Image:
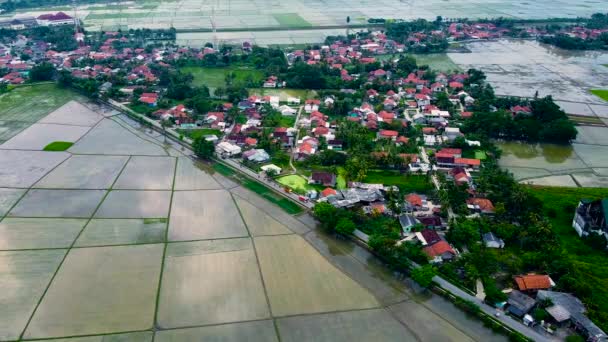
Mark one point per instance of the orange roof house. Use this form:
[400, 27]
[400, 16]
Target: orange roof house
[533, 282]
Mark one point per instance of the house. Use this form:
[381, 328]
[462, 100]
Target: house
[567, 307]
[591, 216]
[287, 111]
[415, 202]
[407, 222]
[533, 282]
[256, 156]
[328, 192]
[492, 241]
[323, 178]
[480, 205]
[388, 134]
[311, 106]
[440, 252]
[226, 149]
[271, 82]
[520, 303]
[271, 168]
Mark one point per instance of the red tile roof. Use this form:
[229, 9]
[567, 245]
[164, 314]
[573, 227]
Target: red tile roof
[532, 282]
[328, 192]
[467, 161]
[438, 249]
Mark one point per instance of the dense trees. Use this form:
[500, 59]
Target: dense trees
[44, 71]
[202, 148]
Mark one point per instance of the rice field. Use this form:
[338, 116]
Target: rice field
[195, 217]
[91, 252]
[300, 281]
[190, 296]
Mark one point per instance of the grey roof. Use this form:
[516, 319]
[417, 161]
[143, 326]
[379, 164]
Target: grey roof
[490, 237]
[521, 301]
[407, 220]
[559, 313]
[576, 309]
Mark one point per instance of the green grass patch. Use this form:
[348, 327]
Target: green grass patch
[405, 182]
[291, 20]
[32, 102]
[58, 146]
[341, 178]
[481, 155]
[589, 264]
[223, 170]
[271, 196]
[199, 132]
[601, 93]
[297, 183]
[216, 77]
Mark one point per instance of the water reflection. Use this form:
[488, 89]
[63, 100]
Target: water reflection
[552, 153]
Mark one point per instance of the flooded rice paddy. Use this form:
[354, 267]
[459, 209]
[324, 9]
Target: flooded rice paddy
[89, 251]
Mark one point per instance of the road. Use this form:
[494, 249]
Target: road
[506, 320]
[293, 148]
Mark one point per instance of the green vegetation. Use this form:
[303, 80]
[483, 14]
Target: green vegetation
[437, 61]
[216, 77]
[589, 265]
[31, 103]
[203, 148]
[271, 196]
[58, 146]
[199, 132]
[284, 203]
[291, 20]
[423, 275]
[601, 93]
[405, 182]
[296, 182]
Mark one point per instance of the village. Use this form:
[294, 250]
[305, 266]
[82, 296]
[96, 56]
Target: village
[388, 144]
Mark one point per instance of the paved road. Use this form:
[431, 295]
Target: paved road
[507, 320]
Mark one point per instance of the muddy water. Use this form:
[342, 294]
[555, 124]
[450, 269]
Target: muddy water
[425, 315]
[550, 153]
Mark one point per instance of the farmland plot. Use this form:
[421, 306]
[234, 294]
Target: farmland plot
[144, 336]
[100, 290]
[23, 277]
[84, 172]
[21, 169]
[364, 325]
[35, 233]
[258, 222]
[262, 331]
[105, 232]
[58, 203]
[190, 177]
[135, 204]
[299, 280]
[428, 325]
[147, 173]
[8, 197]
[108, 137]
[204, 214]
[37, 136]
[73, 113]
[211, 282]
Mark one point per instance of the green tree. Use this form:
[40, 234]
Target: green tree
[345, 226]
[202, 148]
[423, 275]
[44, 71]
[326, 214]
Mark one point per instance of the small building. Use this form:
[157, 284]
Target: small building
[271, 168]
[323, 178]
[407, 222]
[591, 216]
[520, 303]
[492, 241]
[256, 156]
[55, 19]
[480, 205]
[533, 282]
[440, 252]
[226, 149]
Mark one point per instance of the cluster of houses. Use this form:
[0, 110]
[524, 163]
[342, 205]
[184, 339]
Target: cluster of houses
[563, 309]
